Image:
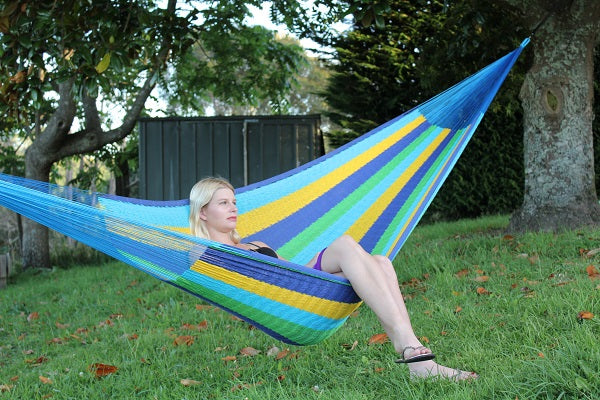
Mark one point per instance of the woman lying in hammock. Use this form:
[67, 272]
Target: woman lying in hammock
[213, 215]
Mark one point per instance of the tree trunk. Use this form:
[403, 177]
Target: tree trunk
[56, 141]
[557, 97]
[35, 248]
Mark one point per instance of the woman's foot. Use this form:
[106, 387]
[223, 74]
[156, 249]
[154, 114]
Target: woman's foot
[412, 354]
[430, 369]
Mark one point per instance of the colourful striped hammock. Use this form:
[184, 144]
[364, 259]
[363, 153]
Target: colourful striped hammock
[375, 189]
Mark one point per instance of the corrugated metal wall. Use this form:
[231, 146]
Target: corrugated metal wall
[176, 152]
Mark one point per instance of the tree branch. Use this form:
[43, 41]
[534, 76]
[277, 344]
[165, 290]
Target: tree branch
[93, 138]
[90, 111]
[61, 120]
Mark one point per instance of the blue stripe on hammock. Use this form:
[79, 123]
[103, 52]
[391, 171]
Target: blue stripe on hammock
[260, 267]
[428, 198]
[263, 328]
[153, 213]
[306, 216]
[258, 194]
[343, 223]
[382, 223]
[272, 307]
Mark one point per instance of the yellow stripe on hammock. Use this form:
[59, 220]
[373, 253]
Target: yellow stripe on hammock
[363, 224]
[312, 304]
[262, 217]
[416, 208]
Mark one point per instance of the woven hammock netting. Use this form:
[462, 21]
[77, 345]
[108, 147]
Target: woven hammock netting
[374, 189]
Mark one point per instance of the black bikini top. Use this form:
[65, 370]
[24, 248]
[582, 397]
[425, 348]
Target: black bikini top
[267, 251]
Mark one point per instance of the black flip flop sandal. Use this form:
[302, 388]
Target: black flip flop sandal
[417, 358]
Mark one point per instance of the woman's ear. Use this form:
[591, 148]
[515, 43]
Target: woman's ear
[202, 214]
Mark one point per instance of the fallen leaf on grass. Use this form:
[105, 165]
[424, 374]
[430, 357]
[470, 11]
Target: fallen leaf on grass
[37, 361]
[108, 322]
[350, 347]
[189, 382]
[33, 316]
[482, 291]
[581, 315]
[380, 338]
[273, 351]
[45, 381]
[6, 388]
[185, 339]
[249, 351]
[197, 327]
[482, 278]
[282, 354]
[592, 272]
[99, 370]
[462, 272]
[245, 386]
[589, 253]
[229, 358]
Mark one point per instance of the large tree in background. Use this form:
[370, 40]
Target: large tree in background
[60, 59]
[57, 58]
[558, 100]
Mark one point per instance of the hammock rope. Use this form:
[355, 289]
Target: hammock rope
[375, 189]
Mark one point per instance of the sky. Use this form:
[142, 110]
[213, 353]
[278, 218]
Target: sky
[261, 17]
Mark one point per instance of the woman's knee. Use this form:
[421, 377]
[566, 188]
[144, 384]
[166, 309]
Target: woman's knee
[386, 265]
[346, 243]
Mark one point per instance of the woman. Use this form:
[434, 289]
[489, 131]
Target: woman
[213, 215]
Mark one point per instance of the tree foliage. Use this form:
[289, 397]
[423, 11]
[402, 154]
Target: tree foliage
[243, 66]
[375, 76]
[60, 62]
[424, 48]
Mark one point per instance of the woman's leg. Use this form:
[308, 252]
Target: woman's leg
[374, 280]
[424, 368]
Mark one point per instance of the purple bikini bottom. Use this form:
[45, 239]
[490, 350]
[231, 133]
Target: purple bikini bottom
[317, 265]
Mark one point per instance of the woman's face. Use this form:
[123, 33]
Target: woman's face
[220, 214]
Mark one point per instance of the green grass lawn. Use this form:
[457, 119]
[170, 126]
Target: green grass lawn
[510, 308]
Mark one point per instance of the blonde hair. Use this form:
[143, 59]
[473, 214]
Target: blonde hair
[200, 195]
